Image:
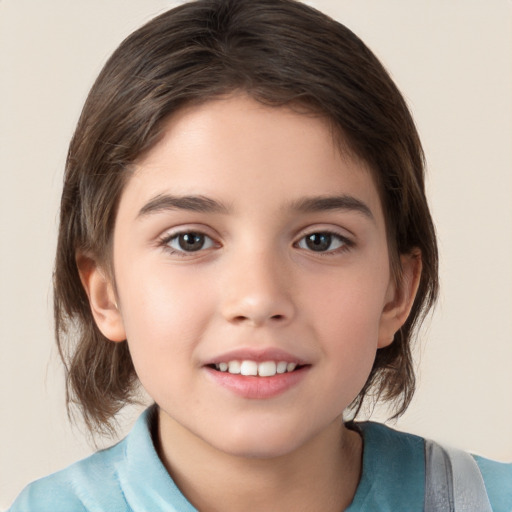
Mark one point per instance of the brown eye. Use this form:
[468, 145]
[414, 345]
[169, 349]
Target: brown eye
[322, 242]
[190, 242]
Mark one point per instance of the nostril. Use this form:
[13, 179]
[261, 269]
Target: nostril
[242, 318]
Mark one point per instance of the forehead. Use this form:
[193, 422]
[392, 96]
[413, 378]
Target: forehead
[237, 150]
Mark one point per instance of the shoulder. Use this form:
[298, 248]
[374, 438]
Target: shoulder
[78, 487]
[127, 477]
[394, 461]
[498, 482]
[400, 449]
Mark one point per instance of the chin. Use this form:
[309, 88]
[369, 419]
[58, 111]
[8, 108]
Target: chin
[259, 449]
[259, 441]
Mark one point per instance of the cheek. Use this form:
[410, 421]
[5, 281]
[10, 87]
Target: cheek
[348, 311]
[164, 315]
[349, 300]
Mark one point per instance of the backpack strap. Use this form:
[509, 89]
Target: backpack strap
[453, 482]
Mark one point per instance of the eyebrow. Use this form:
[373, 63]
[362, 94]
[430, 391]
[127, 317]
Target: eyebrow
[326, 203]
[164, 202]
[203, 204]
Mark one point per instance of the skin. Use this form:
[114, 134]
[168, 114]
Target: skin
[254, 284]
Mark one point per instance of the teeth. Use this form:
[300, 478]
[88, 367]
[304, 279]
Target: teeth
[281, 366]
[290, 367]
[248, 367]
[234, 367]
[267, 369]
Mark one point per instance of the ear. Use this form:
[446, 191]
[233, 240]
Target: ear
[102, 299]
[400, 297]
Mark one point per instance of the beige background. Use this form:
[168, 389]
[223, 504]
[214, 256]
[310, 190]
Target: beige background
[453, 61]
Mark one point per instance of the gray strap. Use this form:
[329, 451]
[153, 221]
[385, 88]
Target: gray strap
[469, 487]
[453, 481]
[438, 479]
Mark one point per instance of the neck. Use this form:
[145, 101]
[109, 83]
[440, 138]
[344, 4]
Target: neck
[322, 474]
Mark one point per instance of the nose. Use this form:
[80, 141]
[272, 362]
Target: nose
[257, 291]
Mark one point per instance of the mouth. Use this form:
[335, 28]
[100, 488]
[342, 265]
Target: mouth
[262, 379]
[248, 367]
[257, 373]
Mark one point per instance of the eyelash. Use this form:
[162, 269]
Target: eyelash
[166, 240]
[345, 243]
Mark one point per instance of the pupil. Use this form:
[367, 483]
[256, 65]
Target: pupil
[319, 241]
[191, 241]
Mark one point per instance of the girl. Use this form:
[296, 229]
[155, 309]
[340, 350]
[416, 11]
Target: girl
[244, 231]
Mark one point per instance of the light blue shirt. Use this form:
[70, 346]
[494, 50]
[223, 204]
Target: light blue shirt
[129, 477]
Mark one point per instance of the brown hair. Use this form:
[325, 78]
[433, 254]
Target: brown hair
[280, 52]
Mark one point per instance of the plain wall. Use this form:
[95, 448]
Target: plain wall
[453, 62]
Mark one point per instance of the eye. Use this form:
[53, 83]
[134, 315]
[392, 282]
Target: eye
[323, 242]
[189, 241]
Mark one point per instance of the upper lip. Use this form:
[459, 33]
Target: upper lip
[258, 355]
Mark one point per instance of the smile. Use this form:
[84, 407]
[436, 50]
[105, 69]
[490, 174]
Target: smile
[254, 368]
[257, 380]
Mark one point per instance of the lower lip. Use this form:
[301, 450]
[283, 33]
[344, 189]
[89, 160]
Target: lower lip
[258, 387]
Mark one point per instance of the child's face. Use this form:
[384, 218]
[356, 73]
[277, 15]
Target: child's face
[245, 235]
